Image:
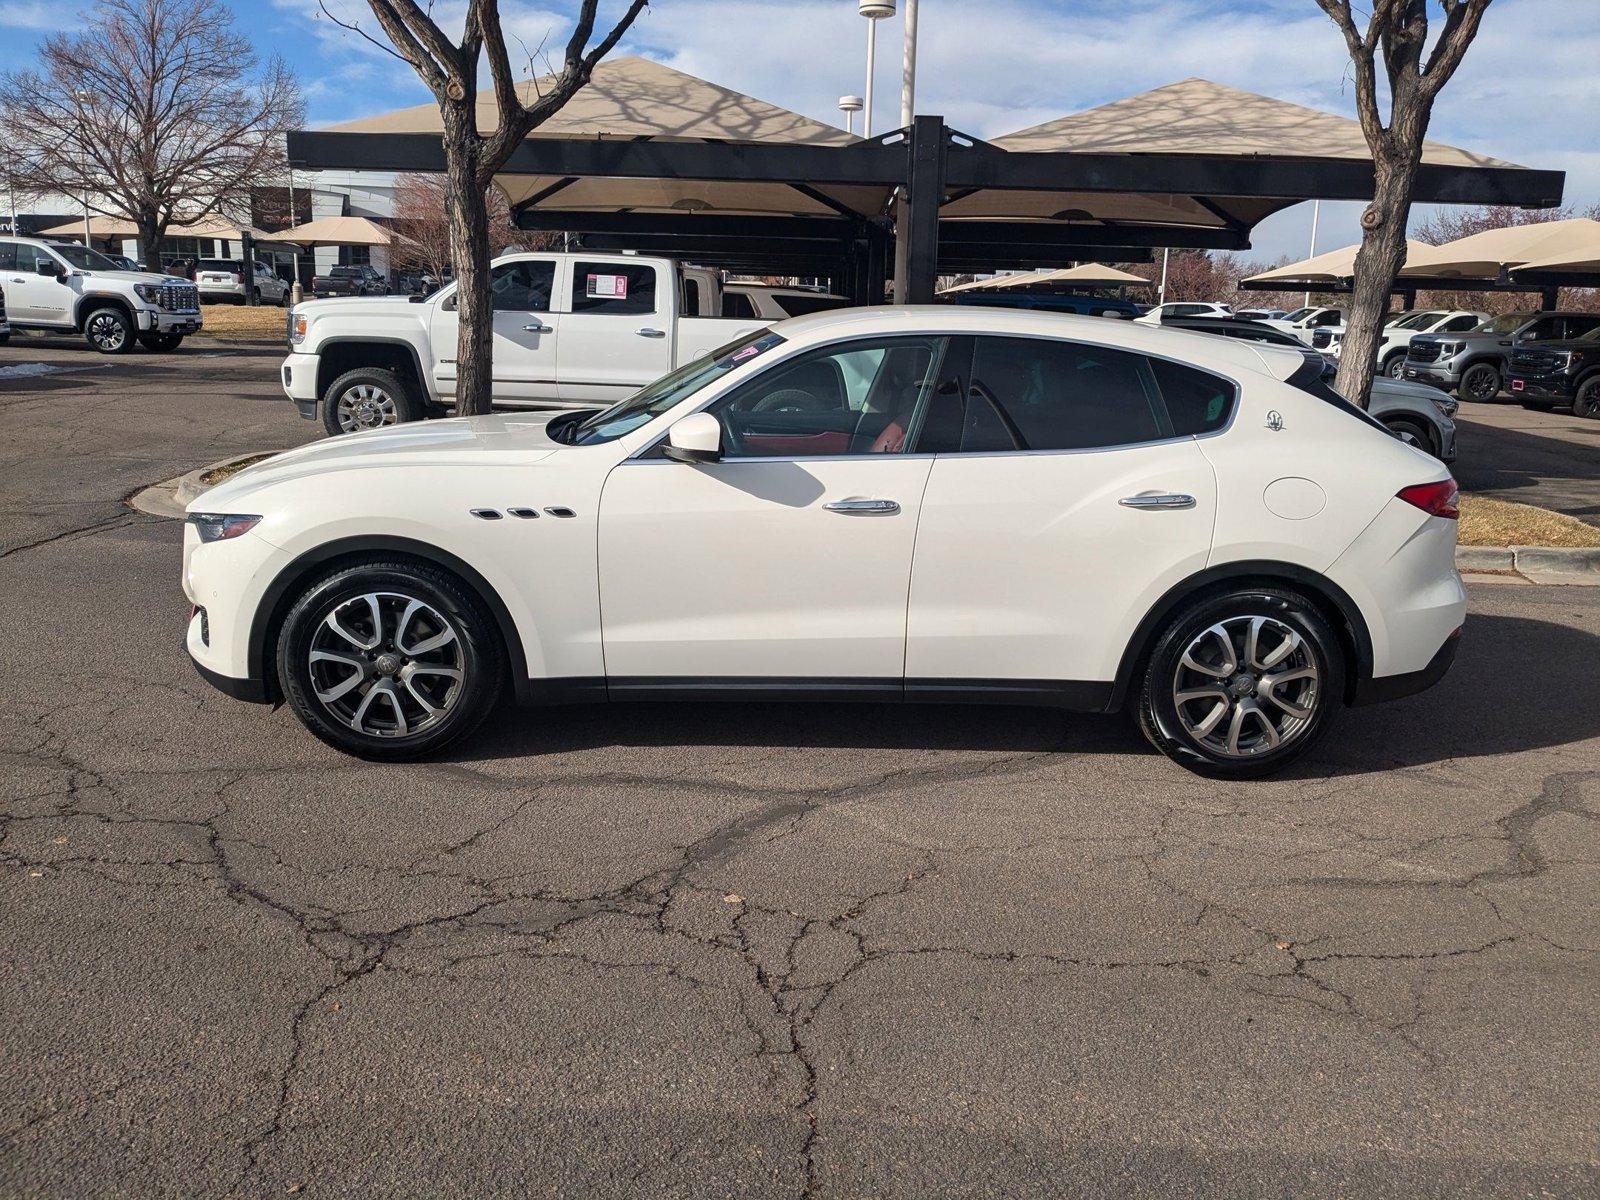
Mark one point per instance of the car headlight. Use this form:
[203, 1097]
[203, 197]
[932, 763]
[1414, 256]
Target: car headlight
[219, 527]
[297, 327]
[146, 292]
[1446, 349]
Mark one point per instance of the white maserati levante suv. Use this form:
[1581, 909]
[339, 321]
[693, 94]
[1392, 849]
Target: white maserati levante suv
[897, 504]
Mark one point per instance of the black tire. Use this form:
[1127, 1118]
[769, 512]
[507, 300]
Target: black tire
[1586, 403]
[110, 330]
[1157, 707]
[1413, 433]
[1481, 382]
[474, 649]
[1395, 365]
[161, 343]
[368, 398]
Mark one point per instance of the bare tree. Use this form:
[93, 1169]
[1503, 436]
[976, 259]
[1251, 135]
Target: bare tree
[1395, 41]
[158, 112]
[422, 223]
[472, 156]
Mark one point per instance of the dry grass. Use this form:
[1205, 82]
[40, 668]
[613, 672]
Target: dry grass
[237, 322]
[1486, 522]
[213, 477]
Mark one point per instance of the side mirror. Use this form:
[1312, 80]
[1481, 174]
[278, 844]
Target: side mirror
[697, 438]
[416, 298]
[47, 266]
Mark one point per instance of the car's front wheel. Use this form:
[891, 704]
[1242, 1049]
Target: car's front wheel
[1481, 382]
[1395, 366]
[1587, 401]
[367, 398]
[390, 659]
[1241, 684]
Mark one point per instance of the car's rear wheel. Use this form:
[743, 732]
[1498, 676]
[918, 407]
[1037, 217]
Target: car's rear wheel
[1587, 402]
[1412, 433]
[1241, 684]
[1480, 382]
[367, 398]
[109, 330]
[390, 660]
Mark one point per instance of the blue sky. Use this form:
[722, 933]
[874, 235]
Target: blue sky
[1526, 91]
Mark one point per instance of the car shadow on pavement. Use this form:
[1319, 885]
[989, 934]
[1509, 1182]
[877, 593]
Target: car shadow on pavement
[1517, 685]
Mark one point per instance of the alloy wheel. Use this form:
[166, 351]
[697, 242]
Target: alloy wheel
[1246, 686]
[1397, 367]
[1483, 384]
[106, 332]
[365, 406]
[386, 664]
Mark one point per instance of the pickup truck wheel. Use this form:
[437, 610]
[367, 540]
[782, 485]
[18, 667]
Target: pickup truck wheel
[1481, 382]
[109, 330]
[1587, 402]
[367, 398]
[161, 343]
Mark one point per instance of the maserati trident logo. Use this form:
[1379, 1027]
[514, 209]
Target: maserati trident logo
[1274, 420]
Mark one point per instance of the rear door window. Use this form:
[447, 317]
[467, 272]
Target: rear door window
[613, 288]
[1580, 324]
[737, 305]
[8, 256]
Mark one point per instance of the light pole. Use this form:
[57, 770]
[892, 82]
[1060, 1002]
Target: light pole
[850, 106]
[908, 67]
[874, 11]
[1316, 213]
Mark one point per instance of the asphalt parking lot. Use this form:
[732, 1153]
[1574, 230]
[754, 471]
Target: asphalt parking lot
[763, 950]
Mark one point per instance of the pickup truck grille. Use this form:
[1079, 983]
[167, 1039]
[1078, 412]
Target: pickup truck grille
[1536, 361]
[1423, 352]
[178, 297]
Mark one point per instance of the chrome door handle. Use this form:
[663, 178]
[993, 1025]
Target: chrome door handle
[1167, 501]
[862, 506]
[536, 327]
[651, 333]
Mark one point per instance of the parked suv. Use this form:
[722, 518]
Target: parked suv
[1473, 364]
[1105, 516]
[1396, 335]
[62, 287]
[1553, 373]
[1184, 308]
[221, 281]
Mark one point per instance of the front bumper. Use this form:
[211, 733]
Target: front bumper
[298, 374]
[159, 320]
[227, 581]
[1440, 375]
[1546, 387]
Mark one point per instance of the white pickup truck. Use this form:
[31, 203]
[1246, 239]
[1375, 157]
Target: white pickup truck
[571, 330]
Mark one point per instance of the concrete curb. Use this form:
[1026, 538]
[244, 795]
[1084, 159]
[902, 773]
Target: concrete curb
[170, 497]
[1485, 558]
[1559, 564]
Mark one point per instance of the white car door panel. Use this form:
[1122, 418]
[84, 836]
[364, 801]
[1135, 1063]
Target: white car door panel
[791, 557]
[743, 569]
[1025, 561]
[525, 345]
[1074, 501]
[31, 297]
[617, 336]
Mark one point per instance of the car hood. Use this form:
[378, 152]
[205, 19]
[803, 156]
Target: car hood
[133, 277]
[498, 439]
[1396, 395]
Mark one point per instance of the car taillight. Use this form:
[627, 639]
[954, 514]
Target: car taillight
[1442, 499]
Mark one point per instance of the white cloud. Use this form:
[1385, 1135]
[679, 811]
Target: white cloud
[32, 14]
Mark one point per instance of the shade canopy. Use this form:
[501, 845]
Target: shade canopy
[111, 227]
[631, 98]
[1484, 255]
[334, 231]
[1333, 266]
[1083, 275]
[1193, 117]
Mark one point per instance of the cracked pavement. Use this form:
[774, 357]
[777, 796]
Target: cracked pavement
[754, 950]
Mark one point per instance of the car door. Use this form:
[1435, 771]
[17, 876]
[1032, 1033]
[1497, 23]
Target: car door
[617, 333]
[1068, 493]
[523, 366]
[37, 299]
[790, 558]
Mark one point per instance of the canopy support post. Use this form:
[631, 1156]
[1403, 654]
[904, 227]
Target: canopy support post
[916, 255]
[247, 251]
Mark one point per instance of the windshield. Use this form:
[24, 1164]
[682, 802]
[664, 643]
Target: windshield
[85, 260]
[645, 406]
[1411, 320]
[1298, 313]
[1509, 323]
